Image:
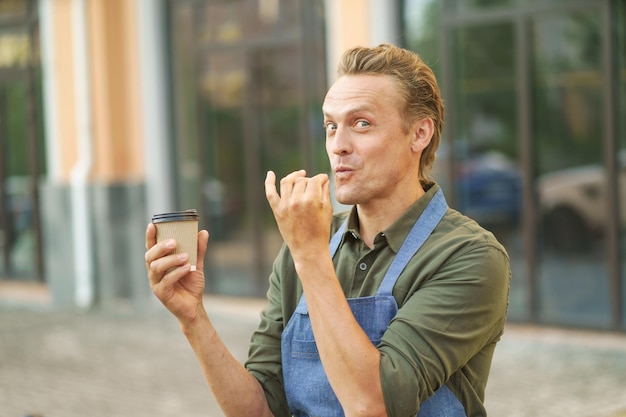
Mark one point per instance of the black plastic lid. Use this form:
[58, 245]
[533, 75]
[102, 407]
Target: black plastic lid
[175, 216]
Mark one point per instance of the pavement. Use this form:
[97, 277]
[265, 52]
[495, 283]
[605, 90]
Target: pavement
[116, 362]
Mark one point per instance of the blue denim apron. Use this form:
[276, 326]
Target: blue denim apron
[307, 388]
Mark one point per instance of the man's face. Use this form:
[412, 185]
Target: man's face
[369, 150]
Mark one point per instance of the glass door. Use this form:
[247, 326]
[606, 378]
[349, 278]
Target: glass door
[248, 81]
[20, 145]
[570, 176]
[527, 142]
[485, 142]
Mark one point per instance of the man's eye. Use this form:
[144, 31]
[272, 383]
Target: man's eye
[362, 123]
[330, 126]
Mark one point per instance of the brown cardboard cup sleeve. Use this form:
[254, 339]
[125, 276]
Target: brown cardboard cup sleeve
[181, 226]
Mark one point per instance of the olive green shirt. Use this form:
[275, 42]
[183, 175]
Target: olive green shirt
[452, 299]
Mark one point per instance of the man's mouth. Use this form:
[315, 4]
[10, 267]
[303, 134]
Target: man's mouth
[342, 172]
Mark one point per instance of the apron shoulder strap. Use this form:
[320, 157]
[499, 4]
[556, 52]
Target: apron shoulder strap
[421, 230]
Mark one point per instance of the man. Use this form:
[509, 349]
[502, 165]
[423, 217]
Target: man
[401, 316]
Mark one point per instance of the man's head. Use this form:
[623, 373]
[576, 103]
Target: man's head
[415, 81]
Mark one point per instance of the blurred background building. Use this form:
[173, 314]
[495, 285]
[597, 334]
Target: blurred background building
[112, 110]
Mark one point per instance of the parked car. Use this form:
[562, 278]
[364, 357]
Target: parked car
[489, 190]
[573, 204]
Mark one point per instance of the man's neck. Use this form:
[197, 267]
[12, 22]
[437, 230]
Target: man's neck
[377, 216]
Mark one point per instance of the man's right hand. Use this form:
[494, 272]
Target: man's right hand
[171, 278]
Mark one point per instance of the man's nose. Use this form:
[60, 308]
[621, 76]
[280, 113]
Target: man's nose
[341, 142]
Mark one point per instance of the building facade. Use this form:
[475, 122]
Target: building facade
[111, 111]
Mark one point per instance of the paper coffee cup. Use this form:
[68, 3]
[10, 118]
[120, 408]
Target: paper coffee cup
[181, 226]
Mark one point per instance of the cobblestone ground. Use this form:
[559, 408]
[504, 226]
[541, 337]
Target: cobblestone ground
[551, 372]
[118, 364]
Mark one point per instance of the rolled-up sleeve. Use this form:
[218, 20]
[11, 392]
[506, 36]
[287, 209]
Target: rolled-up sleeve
[446, 330]
[264, 356]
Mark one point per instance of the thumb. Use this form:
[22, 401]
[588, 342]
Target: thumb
[270, 189]
[203, 241]
[326, 192]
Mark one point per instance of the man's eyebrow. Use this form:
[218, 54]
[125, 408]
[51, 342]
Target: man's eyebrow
[349, 111]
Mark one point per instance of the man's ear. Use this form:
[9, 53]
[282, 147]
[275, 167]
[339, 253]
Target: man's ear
[422, 130]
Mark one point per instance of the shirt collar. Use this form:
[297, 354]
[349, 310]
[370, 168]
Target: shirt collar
[398, 231]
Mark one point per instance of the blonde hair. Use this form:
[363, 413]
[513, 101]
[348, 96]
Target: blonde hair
[416, 83]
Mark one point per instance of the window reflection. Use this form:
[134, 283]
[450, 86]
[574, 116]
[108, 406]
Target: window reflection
[570, 185]
[20, 238]
[14, 49]
[530, 75]
[487, 5]
[422, 26]
[13, 8]
[573, 207]
[469, 5]
[248, 81]
[487, 178]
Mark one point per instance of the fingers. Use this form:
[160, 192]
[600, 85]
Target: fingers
[158, 259]
[320, 185]
[290, 182]
[156, 250]
[298, 186]
[286, 186]
[296, 182]
[313, 190]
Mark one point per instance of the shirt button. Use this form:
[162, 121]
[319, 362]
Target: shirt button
[362, 266]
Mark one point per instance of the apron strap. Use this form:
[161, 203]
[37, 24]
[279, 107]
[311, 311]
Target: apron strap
[336, 239]
[421, 230]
